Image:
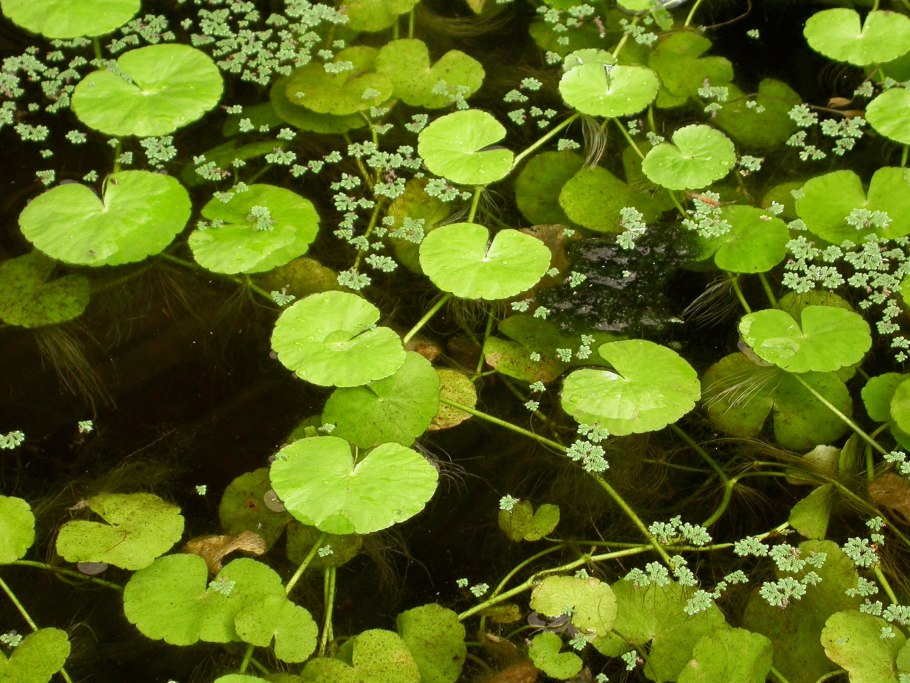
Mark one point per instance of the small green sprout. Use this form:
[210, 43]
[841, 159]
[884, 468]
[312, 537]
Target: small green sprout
[11, 440]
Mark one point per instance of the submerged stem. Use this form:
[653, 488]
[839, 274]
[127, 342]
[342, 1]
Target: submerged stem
[425, 319]
[329, 597]
[543, 139]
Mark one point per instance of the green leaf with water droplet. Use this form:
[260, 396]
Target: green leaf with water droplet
[602, 89]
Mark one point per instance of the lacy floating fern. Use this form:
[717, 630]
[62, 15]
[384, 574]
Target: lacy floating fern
[338, 166]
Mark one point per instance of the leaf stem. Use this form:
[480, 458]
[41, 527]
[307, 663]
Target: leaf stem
[622, 129]
[486, 334]
[68, 572]
[734, 282]
[768, 292]
[543, 140]
[306, 563]
[426, 318]
[781, 678]
[329, 598]
[475, 202]
[635, 519]
[502, 423]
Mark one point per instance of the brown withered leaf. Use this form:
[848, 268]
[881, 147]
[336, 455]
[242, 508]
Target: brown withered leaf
[892, 492]
[214, 548]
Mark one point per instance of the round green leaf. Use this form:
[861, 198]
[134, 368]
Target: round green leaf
[137, 216]
[274, 617]
[37, 658]
[853, 640]
[729, 654]
[462, 148]
[29, 299]
[756, 243]
[810, 516]
[407, 64]
[435, 637]
[340, 94]
[889, 114]
[590, 602]
[330, 339]
[415, 214]
[321, 485]
[762, 120]
[877, 395]
[830, 338]
[306, 119]
[137, 528]
[900, 406]
[678, 61]
[655, 614]
[539, 183]
[243, 507]
[460, 258]
[173, 599]
[649, 387]
[594, 198]
[524, 523]
[740, 395]
[837, 33]
[374, 15]
[375, 655]
[698, 156]
[457, 387]
[66, 19]
[608, 90]
[544, 651]
[259, 229]
[154, 91]
[396, 409]
[17, 529]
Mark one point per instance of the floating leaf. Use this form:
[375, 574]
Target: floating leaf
[794, 631]
[275, 618]
[729, 654]
[435, 638]
[137, 528]
[374, 15]
[37, 658]
[259, 229]
[887, 114]
[878, 392]
[173, 599]
[539, 183]
[321, 485]
[756, 242]
[340, 93]
[654, 614]
[330, 339]
[374, 655]
[407, 64]
[828, 199]
[459, 258]
[853, 640]
[544, 651]
[599, 88]
[457, 387]
[649, 387]
[762, 120]
[826, 339]
[594, 198]
[418, 207]
[65, 19]
[306, 119]
[590, 602]
[698, 156]
[154, 91]
[524, 523]
[461, 147]
[17, 529]
[243, 507]
[678, 60]
[740, 396]
[396, 409]
[837, 33]
[137, 216]
[29, 299]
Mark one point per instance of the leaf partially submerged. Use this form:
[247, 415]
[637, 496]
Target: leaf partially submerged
[37, 658]
[407, 64]
[17, 529]
[29, 298]
[344, 92]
